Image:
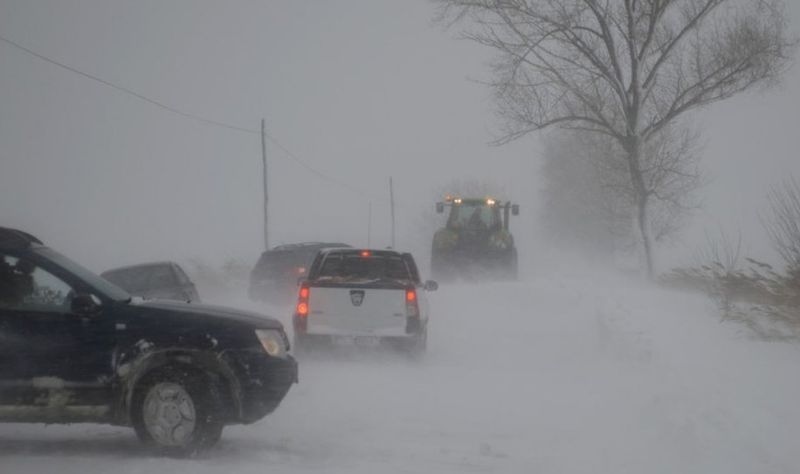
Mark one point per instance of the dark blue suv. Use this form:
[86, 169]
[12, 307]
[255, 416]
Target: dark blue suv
[76, 348]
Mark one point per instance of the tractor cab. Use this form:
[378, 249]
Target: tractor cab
[477, 214]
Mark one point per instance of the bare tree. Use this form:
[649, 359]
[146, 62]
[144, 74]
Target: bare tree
[588, 193]
[582, 207]
[783, 225]
[626, 69]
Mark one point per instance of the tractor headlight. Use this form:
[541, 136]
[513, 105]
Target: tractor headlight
[272, 341]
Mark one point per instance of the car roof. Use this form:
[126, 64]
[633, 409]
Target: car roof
[307, 246]
[354, 251]
[137, 266]
[17, 239]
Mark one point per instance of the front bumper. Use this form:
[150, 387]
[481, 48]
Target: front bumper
[263, 383]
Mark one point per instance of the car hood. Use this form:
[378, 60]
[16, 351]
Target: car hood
[219, 313]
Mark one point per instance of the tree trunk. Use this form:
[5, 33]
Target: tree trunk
[643, 222]
[641, 196]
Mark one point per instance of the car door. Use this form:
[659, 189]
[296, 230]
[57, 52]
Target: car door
[55, 363]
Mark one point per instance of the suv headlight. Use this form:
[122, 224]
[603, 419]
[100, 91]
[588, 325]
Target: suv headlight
[272, 341]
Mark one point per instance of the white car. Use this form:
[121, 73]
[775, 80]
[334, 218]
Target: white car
[362, 298]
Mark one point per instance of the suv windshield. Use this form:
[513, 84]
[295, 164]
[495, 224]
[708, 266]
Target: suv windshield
[355, 267]
[105, 287]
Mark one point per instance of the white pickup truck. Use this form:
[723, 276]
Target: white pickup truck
[362, 298]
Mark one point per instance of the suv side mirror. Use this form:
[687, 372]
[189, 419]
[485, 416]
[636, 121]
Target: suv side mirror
[439, 207]
[85, 305]
[431, 285]
[515, 209]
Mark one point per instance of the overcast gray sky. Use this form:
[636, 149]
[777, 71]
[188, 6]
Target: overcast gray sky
[361, 90]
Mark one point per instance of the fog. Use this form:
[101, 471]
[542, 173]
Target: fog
[361, 91]
[355, 92]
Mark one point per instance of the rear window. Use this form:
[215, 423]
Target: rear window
[278, 264]
[354, 267]
[289, 260]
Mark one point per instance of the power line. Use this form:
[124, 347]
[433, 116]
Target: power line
[319, 173]
[188, 115]
[127, 91]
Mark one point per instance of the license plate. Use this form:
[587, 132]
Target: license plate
[362, 341]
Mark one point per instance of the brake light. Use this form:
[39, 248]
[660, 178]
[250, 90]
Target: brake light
[365, 253]
[302, 309]
[302, 301]
[411, 295]
[412, 306]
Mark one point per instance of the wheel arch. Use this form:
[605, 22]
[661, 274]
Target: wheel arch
[212, 366]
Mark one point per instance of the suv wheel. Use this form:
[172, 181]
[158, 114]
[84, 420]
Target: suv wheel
[177, 413]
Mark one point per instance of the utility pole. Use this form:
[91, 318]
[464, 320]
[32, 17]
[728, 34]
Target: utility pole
[391, 202]
[266, 196]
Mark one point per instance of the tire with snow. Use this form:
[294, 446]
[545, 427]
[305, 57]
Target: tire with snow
[177, 412]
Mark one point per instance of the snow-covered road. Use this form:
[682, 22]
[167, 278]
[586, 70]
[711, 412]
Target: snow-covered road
[567, 374]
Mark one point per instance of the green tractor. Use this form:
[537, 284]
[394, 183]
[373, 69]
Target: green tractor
[476, 241]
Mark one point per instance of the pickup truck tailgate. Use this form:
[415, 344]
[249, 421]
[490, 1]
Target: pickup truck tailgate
[357, 311]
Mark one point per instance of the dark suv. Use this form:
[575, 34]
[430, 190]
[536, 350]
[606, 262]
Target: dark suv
[275, 276]
[76, 348]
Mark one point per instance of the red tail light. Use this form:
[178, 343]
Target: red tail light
[412, 306]
[302, 309]
[302, 301]
[366, 253]
[411, 295]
